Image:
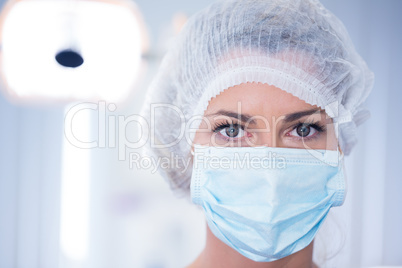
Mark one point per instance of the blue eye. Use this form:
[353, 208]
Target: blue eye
[232, 131]
[229, 130]
[306, 130]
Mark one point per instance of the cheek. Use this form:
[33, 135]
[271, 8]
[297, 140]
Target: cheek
[332, 141]
[327, 141]
[203, 134]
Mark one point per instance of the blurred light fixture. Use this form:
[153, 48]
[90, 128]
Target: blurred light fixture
[75, 193]
[70, 49]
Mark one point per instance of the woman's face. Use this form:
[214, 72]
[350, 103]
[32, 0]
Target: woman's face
[255, 114]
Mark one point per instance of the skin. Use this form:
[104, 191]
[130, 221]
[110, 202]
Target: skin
[271, 117]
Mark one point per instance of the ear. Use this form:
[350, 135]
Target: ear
[339, 148]
[192, 149]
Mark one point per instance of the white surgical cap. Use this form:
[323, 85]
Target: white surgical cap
[295, 45]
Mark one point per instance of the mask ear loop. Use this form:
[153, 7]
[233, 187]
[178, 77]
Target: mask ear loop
[341, 166]
[338, 148]
[340, 152]
[338, 120]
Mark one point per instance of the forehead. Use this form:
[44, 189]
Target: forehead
[257, 99]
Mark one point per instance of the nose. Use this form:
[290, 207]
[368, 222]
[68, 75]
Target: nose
[265, 131]
[268, 139]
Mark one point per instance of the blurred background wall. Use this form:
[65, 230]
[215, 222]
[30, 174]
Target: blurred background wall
[127, 217]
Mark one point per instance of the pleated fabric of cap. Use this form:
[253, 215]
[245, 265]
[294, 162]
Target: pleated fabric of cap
[295, 45]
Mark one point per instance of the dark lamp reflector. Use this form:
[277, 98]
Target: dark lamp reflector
[69, 58]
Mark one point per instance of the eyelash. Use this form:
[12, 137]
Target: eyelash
[320, 128]
[220, 126]
[316, 125]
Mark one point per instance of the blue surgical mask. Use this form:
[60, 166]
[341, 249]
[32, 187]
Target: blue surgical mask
[266, 203]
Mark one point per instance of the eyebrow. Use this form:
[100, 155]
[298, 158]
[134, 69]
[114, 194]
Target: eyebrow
[241, 117]
[294, 116]
[248, 118]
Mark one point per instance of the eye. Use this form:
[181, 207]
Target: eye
[232, 131]
[229, 130]
[304, 130]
